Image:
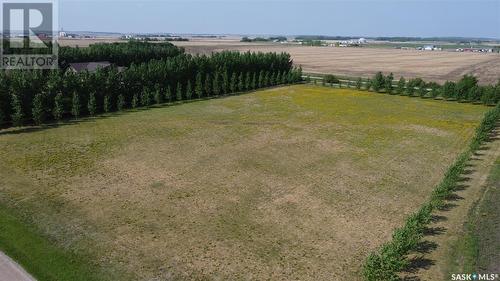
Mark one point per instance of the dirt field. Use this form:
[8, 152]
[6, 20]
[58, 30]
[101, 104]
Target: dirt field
[293, 183]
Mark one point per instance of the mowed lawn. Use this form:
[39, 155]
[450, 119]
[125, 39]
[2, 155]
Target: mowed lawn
[292, 183]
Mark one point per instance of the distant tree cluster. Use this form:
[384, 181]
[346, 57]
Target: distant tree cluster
[256, 39]
[37, 96]
[121, 54]
[316, 43]
[261, 39]
[332, 79]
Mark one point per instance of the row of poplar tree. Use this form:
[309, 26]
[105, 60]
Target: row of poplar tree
[121, 54]
[466, 89]
[38, 96]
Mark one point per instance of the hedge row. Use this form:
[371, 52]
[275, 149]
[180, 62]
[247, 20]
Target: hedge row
[38, 96]
[392, 258]
[466, 89]
[121, 54]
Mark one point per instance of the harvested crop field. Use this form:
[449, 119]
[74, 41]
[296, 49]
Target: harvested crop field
[291, 183]
[430, 65]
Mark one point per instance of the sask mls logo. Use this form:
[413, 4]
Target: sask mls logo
[474, 276]
[29, 33]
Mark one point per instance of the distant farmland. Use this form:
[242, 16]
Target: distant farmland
[436, 66]
[290, 183]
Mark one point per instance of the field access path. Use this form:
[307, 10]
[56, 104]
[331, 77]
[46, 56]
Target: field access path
[11, 271]
[449, 223]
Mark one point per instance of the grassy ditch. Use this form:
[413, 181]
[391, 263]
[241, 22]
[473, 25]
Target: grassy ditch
[38, 256]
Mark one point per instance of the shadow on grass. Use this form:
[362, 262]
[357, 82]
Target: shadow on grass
[438, 218]
[415, 264]
[454, 197]
[419, 262]
[493, 137]
[447, 207]
[433, 231]
[461, 180]
[55, 124]
[460, 187]
[425, 247]
[467, 172]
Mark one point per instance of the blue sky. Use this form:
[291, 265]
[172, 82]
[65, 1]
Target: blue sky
[473, 18]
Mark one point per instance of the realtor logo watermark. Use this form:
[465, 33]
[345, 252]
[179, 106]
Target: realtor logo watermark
[29, 34]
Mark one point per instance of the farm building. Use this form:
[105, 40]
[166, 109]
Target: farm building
[430, 48]
[353, 43]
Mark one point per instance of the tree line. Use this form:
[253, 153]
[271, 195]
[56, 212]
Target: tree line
[466, 89]
[121, 54]
[38, 96]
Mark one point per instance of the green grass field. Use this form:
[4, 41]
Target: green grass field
[298, 182]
